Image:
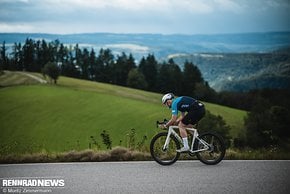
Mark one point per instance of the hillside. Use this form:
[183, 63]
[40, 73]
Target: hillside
[72, 114]
[242, 71]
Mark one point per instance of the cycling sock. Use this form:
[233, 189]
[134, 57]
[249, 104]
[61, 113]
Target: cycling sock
[185, 142]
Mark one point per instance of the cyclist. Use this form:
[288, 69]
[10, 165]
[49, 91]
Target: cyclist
[195, 111]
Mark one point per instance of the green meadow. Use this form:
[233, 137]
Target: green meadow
[68, 116]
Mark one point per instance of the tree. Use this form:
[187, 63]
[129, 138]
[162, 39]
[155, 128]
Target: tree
[28, 55]
[18, 57]
[44, 54]
[2, 55]
[54, 47]
[84, 62]
[204, 92]
[267, 125]
[52, 70]
[136, 79]
[122, 68]
[148, 67]
[258, 125]
[280, 122]
[104, 66]
[92, 65]
[170, 78]
[191, 77]
[69, 67]
[63, 56]
[162, 79]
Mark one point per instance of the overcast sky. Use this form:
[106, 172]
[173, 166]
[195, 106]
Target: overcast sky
[144, 16]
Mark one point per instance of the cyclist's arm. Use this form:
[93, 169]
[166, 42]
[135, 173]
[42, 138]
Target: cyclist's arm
[180, 117]
[174, 115]
[171, 121]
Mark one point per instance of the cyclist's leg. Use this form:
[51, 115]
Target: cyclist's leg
[193, 116]
[190, 119]
[182, 130]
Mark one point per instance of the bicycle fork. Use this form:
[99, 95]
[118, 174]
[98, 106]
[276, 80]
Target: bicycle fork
[171, 132]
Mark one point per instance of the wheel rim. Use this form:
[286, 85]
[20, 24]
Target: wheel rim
[167, 155]
[216, 149]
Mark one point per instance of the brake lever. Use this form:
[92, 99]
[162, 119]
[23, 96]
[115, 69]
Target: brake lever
[157, 124]
[161, 123]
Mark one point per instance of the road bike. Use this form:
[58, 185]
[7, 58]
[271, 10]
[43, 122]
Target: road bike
[208, 147]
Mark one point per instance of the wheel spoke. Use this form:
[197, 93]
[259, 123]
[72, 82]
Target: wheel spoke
[216, 151]
[212, 139]
[164, 156]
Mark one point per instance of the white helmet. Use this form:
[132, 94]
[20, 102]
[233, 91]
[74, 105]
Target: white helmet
[168, 96]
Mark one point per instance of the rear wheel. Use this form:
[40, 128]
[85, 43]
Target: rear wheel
[165, 156]
[216, 150]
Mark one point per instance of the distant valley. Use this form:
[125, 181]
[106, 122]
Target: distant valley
[242, 71]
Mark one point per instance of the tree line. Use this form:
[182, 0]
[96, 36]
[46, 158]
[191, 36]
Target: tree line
[104, 66]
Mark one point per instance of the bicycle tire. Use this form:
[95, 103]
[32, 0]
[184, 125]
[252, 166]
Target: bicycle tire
[164, 157]
[215, 153]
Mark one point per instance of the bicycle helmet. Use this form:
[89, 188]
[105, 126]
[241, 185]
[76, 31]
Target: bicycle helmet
[168, 96]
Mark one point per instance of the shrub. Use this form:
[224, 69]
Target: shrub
[106, 139]
[267, 126]
[52, 70]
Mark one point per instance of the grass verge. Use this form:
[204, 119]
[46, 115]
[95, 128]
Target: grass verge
[89, 155]
[126, 154]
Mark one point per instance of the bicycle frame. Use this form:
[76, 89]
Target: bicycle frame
[194, 133]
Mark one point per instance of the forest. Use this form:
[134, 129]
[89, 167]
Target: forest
[104, 66]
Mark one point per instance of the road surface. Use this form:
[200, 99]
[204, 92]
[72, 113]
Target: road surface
[150, 177]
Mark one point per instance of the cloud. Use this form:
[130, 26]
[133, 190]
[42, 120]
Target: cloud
[132, 47]
[229, 5]
[18, 27]
[199, 6]
[141, 5]
[153, 16]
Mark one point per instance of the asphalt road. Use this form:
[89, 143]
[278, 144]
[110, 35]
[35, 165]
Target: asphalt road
[150, 177]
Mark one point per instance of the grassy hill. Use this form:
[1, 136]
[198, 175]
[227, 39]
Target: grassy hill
[68, 116]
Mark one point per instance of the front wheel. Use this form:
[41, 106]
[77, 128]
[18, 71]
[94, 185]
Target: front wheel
[164, 156]
[216, 151]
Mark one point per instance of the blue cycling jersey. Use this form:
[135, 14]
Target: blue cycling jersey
[184, 104]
